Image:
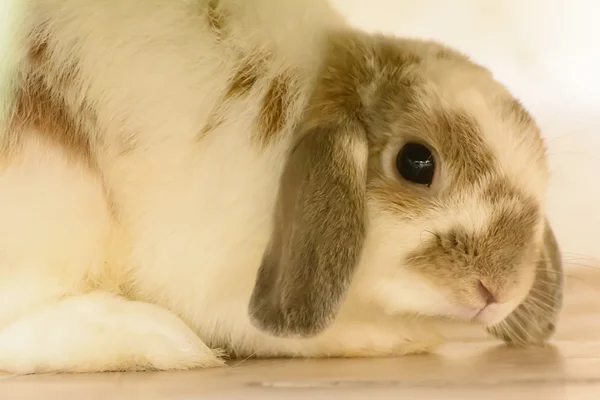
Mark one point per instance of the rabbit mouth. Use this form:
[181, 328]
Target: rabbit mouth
[488, 314]
[492, 314]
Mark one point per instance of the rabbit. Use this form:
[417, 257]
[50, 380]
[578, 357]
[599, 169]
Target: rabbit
[183, 182]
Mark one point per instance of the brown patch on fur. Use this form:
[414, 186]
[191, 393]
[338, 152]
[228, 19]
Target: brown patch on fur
[39, 62]
[459, 140]
[215, 17]
[214, 121]
[126, 144]
[272, 116]
[38, 108]
[38, 52]
[500, 190]
[512, 229]
[247, 74]
[244, 79]
[399, 199]
[518, 217]
[366, 78]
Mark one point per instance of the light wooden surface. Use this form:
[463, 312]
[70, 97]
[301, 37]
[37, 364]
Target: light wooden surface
[473, 368]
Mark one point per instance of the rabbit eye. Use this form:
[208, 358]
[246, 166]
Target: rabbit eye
[416, 164]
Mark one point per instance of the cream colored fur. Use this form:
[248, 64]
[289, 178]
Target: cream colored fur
[169, 285]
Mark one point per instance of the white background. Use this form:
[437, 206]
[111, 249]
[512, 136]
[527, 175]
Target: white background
[548, 53]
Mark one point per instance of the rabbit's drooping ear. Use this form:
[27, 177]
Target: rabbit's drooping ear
[318, 233]
[534, 321]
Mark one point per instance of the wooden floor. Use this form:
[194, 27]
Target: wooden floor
[474, 368]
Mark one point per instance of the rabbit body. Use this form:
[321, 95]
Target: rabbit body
[146, 150]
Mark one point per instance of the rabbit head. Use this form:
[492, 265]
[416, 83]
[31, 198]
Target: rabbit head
[416, 185]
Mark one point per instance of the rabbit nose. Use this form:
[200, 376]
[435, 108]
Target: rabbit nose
[486, 293]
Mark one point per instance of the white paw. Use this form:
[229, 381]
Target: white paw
[101, 332]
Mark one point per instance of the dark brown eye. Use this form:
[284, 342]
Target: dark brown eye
[416, 164]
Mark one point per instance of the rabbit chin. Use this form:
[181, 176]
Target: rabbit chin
[409, 293]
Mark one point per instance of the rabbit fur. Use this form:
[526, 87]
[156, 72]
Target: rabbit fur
[185, 181]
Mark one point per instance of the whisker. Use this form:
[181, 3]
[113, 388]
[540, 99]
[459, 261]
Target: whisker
[540, 293]
[580, 255]
[539, 304]
[580, 264]
[521, 328]
[513, 334]
[567, 135]
[432, 233]
[552, 284]
[541, 314]
[549, 283]
[237, 364]
[539, 296]
[548, 271]
[519, 333]
[544, 309]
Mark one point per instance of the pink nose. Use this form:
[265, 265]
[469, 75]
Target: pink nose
[486, 293]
